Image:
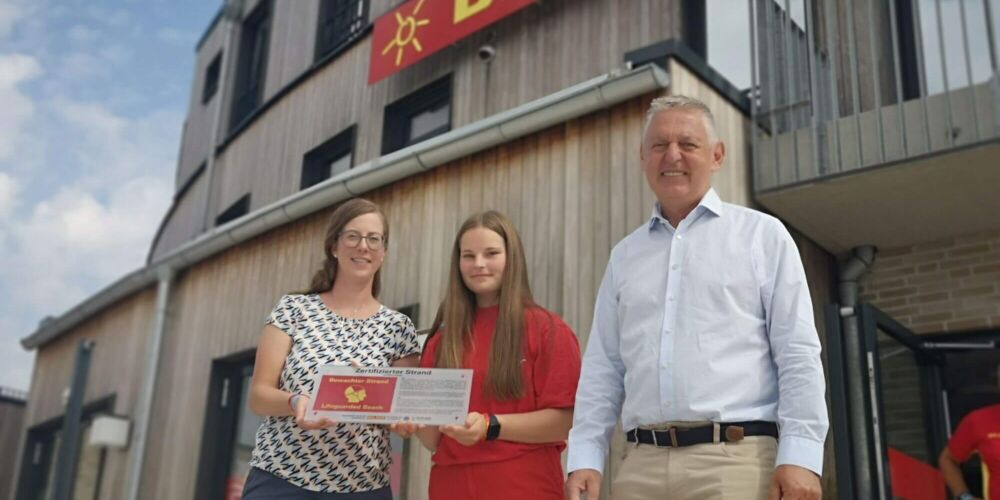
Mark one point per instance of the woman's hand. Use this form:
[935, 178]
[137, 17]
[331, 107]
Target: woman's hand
[405, 429]
[301, 407]
[471, 433]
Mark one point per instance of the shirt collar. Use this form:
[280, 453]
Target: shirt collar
[710, 202]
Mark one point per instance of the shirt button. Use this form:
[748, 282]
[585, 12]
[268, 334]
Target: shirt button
[674, 267]
[680, 237]
[670, 298]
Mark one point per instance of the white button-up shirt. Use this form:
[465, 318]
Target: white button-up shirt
[708, 321]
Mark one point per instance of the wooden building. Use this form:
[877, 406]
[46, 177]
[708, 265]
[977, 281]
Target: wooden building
[12, 404]
[537, 114]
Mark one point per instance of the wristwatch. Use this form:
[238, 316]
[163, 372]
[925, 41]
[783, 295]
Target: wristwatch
[493, 429]
[965, 496]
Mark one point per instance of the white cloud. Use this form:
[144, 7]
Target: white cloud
[94, 226]
[15, 69]
[8, 197]
[73, 240]
[10, 12]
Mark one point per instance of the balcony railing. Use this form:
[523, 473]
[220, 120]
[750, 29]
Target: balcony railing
[841, 85]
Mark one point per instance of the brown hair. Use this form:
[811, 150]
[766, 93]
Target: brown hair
[345, 213]
[503, 379]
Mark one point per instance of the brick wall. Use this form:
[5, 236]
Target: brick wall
[948, 285]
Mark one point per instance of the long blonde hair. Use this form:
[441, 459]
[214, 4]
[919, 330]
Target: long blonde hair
[503, 379]
[323, 279]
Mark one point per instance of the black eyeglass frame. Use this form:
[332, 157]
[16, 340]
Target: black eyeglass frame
[378, 238]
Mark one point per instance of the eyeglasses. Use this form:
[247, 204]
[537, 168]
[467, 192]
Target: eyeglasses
[353, 238]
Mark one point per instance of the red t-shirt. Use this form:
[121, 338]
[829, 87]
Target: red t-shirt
[551, 369]
[980, 431]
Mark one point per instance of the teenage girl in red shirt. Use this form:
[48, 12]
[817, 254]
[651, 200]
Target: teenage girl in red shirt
[525, 362]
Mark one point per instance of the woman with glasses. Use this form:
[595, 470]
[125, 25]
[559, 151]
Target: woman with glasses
[525, 364]
[337, 321]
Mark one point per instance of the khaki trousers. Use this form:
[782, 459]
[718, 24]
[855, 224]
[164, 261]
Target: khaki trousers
[737, 471]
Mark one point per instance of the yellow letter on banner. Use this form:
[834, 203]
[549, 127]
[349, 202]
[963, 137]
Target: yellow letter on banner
[465, 9]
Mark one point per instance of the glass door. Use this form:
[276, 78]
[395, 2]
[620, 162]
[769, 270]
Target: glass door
[908, 403]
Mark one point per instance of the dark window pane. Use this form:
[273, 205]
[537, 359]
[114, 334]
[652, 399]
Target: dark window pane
[235, 211]
[246, 431]
[250, 73]
[419, 116]
[211, 84]
[340, 21]
[331, 158]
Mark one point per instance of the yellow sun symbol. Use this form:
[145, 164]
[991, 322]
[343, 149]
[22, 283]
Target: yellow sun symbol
[406, 32]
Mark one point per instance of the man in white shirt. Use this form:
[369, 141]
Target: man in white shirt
[703, 341]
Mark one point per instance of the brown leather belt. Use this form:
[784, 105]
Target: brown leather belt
[728, 432]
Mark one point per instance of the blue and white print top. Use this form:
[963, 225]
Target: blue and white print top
[346, 457]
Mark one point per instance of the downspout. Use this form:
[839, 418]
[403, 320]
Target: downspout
[851, 271]
[144, 409]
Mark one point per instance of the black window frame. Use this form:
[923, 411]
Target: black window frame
[338, 24]
[210, 85]
[252, 59]
[399, 115]
[316, 164]
[238, 209]
[40, 444]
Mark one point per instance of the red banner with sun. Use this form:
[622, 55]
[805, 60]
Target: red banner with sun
[419, 28]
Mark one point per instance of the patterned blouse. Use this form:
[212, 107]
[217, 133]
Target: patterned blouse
[346, 457]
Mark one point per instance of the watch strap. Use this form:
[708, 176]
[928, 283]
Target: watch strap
[493, 429]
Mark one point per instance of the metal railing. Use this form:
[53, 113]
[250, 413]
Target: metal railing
[840, 85]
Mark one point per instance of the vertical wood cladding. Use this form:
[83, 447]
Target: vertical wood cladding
[573, 190]
[539, 51]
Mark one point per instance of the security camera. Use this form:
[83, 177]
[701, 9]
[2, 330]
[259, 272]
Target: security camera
[486, 53]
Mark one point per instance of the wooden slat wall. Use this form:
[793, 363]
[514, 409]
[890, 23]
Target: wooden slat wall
[187, 213]
[197, 133]
[116, 369]
[11, 431]
[573, 191]
[540, 50]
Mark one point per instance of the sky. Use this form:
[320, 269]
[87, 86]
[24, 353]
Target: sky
[93, 96]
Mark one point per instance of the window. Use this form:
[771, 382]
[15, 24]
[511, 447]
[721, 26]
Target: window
[418, 116]
[235, 211]
[340, 21]
[411, 311]
[329, 159]
[38, 464]
[211, 79]
[250, 69]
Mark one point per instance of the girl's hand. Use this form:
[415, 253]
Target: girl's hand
[301, 406]
[471, 433]
[405, 429]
